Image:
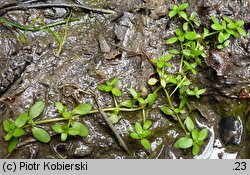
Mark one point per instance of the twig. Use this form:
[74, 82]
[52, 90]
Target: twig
[40, 6]
[119, 138]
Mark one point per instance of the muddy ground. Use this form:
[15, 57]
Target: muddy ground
[102, 46]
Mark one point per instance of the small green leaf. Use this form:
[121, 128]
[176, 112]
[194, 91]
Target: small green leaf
[172, 40]
[191, 35]
[167, 110]
[41, 135]
[232, 26]
[66, 114]
[101, 87]
[203, 134]
[21, 120]
[195, 149]
[205, 32]
[141, 101]
[183, 15]
[176, 144]
[242, 31]
[178, 32]
[239, 23]
[82, 109]
[227, 19]
[134, 93]
[114, 81]
[116, 92]
[64, 136]
[172, 13]
[187, 52]
[8, 137]
[127, 103]
[152, 98]
[174, 52]
[221, 37]
[195, 134]
[36, 109]
[18, 132]
[220, 46]
[163, 82]
[181, 38]
[189, 124]
[59, 107]
[201, 91]
[146, 144]
[145, 133]
[134, 135]
[217, 27]
[12, 144]
[185, 26]
[57, 128]
[214, 19]
[73, 131]
[186, 143]
[83, 130]
[183, 6]
[114, 118]
[160, 64]
[152, 81]
[226, 43]
[108, 88]
[138, 128]
[147, 124]
[8, 125]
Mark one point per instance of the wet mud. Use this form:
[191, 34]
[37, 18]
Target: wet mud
[102, 46]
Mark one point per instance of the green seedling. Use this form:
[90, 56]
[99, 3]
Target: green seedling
[227, 28]
[16, 129]
[196, 92]
[141, 132]
[72, 128]
[137, 97]
[194, 140]
[179, 10]
[38, 25]
[110, 87]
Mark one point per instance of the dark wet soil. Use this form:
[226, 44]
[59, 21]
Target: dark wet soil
[102, 46]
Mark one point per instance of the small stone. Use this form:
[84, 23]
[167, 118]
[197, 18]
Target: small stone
[231, 130]
[78, 149]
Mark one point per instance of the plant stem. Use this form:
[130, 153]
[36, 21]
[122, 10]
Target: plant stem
[212, 33]
[143, 115]
[51, 120]
[157, 89]
[65, 35]
[184, 78]
[172, 106]
[60, 119]
[182, 125]
[115, 101]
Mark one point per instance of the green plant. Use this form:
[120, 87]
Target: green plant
[141, 132]
[72, 128]
[191, 49]
[110, 87]
[194, 140]
[15, 129]
[38, 25]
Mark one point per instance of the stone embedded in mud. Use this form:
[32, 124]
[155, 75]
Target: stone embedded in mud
[231, 130]
[12, 71]
[78, 149]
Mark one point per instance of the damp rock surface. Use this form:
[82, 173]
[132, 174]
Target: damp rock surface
[100, 47]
